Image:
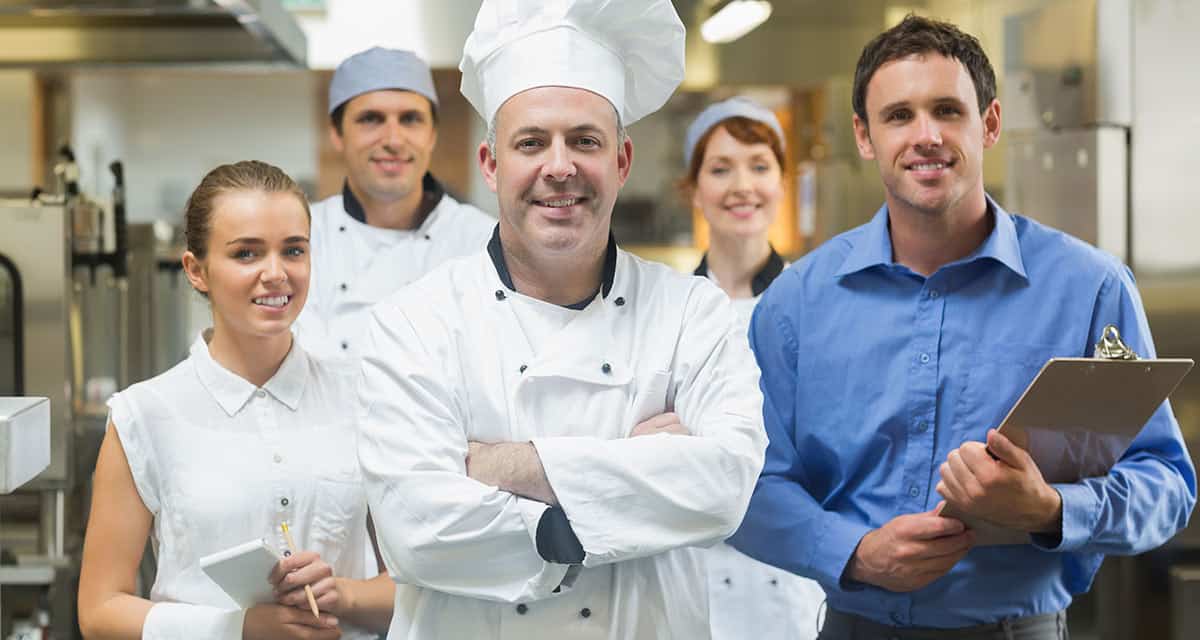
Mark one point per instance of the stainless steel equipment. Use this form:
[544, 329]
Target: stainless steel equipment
[153, 32]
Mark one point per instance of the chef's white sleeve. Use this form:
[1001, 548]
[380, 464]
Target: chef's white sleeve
[436, 527]
[640, 496]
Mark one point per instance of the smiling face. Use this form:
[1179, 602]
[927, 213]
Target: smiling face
[256, 267]
[386, 141]
[925, 132]
[738, 186]
[559, 163]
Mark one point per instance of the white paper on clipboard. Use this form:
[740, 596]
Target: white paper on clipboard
[1076, 419]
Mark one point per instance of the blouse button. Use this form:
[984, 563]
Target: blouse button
[283, 501]
[585, 612]
[287, 553]
[728, 581]
[521, 609]
[499, 294]
[278, 458]
[260, 393]
[343, 286]
[620, 302]
[522, 369]
[342, 228]
[606, 367]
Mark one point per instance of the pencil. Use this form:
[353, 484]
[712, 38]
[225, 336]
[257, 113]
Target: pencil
[312, 601]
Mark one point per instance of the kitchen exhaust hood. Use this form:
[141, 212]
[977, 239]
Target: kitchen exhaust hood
[65, 33]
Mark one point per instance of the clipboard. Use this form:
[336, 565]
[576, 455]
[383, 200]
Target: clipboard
[1079, 415]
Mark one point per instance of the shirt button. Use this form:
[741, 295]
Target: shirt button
[897, 618]
[284, 502]
[922, 426]
[343, 286]
[287, 553]
[774, 582]
[278, 458]
[499, 294]
[260, 393]
[522, 369]
[345, 345]
[914, 491]
[606, 367]
[585, 612]
[620, 302]
[342, 228]
[933, 293]
[427, 237]
[521, 609]
[924, 358]
[728, 581]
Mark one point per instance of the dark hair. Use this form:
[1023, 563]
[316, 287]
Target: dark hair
[247, 175]
[339, 114]
[744, 130]
[918, 35]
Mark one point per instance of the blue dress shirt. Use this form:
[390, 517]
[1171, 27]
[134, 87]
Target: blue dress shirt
[872, 374]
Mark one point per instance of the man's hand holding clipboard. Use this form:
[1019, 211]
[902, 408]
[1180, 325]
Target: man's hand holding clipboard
[1074, 421]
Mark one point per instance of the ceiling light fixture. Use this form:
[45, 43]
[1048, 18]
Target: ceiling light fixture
[733, 19]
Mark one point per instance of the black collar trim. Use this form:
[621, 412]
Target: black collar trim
[431, 196]
[496, 252]
[761, 280]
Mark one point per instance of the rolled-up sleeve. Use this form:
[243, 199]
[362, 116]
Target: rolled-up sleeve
[436, 527]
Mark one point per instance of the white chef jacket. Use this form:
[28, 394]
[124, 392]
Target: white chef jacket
[748, 598]
[219, 462]
[355, 265]
[449, 363]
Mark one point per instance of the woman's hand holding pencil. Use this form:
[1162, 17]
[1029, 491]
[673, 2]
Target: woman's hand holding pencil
[305, 581]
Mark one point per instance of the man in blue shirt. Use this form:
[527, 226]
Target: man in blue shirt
[890, 352]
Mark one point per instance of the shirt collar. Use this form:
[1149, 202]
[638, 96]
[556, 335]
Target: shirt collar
[496, 252]
[874, 246]
[431, 196]
[232, 391]
[761, 280]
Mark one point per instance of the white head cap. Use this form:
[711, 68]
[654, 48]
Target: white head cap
[628, 51]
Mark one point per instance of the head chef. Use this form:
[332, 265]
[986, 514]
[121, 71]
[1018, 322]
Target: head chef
[553, 425]
[557, 83]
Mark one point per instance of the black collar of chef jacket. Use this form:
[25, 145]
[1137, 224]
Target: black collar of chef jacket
[496, 251]
[431, 196]
[761, 280]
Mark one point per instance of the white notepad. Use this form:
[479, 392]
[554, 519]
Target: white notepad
[242, 572]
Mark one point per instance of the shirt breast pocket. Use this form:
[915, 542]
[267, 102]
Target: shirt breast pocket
[991, 384]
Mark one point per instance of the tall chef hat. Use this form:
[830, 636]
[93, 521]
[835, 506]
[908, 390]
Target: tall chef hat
[629, 51]
[718, 112]
[377, 69]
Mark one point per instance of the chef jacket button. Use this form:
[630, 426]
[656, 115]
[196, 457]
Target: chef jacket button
[427, 237]
[620, 302]
[345, 345]
[342, 228]
[342, 286]
[606, 367]
[499, 294]
[774, 582]
[728, 581]
[585, 612]
[284, 502]
[287, 553]
[522, 369]
[521, 609]
[278, 458]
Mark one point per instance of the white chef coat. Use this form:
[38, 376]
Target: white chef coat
[450, 363]
[219, 462]
[748, 598]
[355, 265]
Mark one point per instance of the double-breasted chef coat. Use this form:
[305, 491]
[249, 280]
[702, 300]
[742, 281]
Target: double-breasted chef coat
[450, 362]
[355, 265]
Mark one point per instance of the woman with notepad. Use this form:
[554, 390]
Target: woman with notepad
[248, 434]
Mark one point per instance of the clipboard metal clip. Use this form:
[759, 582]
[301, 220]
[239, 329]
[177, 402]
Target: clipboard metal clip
[1111, 347]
